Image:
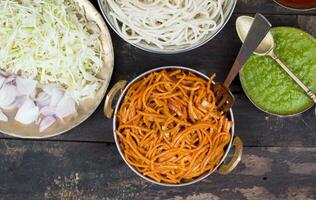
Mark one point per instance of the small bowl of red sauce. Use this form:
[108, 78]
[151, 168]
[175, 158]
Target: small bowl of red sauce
[302, 5]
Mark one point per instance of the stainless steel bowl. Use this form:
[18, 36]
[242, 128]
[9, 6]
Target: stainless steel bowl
[173, 49]
[122, 88]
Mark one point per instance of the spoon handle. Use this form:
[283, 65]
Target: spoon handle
[258, 30]
[293, 76]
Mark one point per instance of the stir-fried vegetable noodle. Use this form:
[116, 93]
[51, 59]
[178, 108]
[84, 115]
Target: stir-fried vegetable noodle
[169, 127]
[167, 23]
[52, 42]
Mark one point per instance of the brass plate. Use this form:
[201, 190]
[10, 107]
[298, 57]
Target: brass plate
[86, 107]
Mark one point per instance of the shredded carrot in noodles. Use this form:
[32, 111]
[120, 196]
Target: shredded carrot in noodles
[169, 127]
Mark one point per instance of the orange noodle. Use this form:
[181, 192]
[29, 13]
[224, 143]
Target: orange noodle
[169, 127]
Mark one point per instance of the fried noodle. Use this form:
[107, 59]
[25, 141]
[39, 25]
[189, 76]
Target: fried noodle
[169, 127]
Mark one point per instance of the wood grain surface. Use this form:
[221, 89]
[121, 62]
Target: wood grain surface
[75, 170]
[279, 161]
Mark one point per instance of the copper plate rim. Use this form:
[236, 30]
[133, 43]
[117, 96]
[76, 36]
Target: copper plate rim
[15, 129]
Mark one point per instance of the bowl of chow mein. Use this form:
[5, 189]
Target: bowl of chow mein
[168, 129]
[167, 27]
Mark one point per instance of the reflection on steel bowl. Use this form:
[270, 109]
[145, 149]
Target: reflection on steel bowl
[167, 127]
[167, 27]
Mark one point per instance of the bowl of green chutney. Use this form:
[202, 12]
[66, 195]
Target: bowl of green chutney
[268, 87]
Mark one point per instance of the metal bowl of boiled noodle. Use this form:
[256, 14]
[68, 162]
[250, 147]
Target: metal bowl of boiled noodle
[56, 61]
[167, 27]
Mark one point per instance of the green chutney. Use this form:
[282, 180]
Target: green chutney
[269, 87]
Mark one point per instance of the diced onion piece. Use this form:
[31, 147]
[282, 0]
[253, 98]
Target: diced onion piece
[11, 106]
[205, 104]
[46, 110]
[46, 122]
[19, 101]
[25, 86]
[2, 80]
[8, 95]
[27, 113]
[66, 107]
[55, 92]
[3, 73]
[151, 118]
[43, 100]
[3, 117]
[10, 81]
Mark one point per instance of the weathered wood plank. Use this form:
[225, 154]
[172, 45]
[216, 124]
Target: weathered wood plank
[70, 170]
[255, 127]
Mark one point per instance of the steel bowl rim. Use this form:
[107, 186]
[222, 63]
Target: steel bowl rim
[118, 104]
[189, 48]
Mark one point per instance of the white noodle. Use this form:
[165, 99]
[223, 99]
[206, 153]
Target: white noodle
[166, 23]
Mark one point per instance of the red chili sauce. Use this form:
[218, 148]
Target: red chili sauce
[299, 4]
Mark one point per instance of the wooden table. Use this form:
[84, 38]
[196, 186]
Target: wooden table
[279, 160]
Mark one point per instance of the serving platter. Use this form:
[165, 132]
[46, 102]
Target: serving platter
[87, 106]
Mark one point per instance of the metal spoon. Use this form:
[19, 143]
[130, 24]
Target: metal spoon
[258, 30]
[243, 24]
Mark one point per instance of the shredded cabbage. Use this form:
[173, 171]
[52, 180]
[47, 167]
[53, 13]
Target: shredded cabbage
[52, 42]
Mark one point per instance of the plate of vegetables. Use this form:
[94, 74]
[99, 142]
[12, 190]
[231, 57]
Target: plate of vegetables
[56, 62]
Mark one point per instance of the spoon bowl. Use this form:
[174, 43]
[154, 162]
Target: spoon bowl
[243, 24]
